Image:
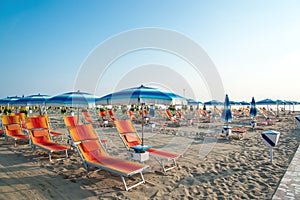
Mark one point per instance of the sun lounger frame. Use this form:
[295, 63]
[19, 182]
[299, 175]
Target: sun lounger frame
[86, 165]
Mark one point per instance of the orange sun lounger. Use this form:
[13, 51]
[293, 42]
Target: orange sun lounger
[40, 137]
[12, 128]
[93, 154]
[130, 138]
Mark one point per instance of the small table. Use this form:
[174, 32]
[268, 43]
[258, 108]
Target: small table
[140, 153]
[227, 131]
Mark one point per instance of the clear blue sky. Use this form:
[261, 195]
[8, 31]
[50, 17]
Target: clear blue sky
[254, 44]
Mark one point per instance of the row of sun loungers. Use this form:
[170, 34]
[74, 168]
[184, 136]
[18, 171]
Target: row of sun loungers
[83, 137]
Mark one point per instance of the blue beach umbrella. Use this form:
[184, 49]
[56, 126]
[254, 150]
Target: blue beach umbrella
[226, 115]
[73, 99]
[8, 100]
[253, 109]
[213, 103]
[37, 99]
[244, 103]
[141, 95]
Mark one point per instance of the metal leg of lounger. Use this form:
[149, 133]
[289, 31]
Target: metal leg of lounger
[139, 183]
[161, 162]
[50, 157]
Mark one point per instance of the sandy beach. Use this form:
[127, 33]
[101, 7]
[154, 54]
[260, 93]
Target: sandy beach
[210, 168]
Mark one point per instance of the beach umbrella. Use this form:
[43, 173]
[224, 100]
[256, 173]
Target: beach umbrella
[226, 114]
[36, 99]
[32, 100]
[234, 103]
[244, 103]
[266, 102]
[253, 109]
[192, 102]
[73, 99]
[140, 96]
[213, 103]
[8, 100]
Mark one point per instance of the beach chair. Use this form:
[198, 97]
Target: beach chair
[23, 120]
[106, 121]
[92, 154]
[71, 121]
[88, 119]
[130, 138]
[41, 138]
[111, 115]
[43, 122]
[131, 115]
[239, 131]
[12, 128]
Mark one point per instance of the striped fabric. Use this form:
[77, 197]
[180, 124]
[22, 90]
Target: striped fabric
[73, 99]
[37, 99]
[140, 94]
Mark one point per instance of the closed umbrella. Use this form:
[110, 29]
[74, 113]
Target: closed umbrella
[253, 112]
[226, 115]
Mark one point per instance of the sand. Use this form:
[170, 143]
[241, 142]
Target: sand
[211, 167]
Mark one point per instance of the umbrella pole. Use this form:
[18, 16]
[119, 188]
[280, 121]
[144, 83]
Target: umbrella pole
[142, 125]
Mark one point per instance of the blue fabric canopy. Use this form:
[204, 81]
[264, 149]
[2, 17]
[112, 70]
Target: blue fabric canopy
[37, 99]
[266, 102]
[213, 102]
[73, 99]
[139, 95]
[8, 100]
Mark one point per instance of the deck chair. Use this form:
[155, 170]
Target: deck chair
[106, 121]
[49, 126]
[92, 153]
[130, 138]
[41, 138]
[73, 121]
[23, 120]
[131, 115]
[12, 128]
[239, 131]
[111, 115]
[88, 119]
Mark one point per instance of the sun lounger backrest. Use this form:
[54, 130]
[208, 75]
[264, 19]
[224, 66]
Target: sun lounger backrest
[111, 114]
[83, 132]
[6, 120]
[87, 141]
[37, 122]
[102, 114]
[71, 120]
[39, 135]
[87, 117]
[128, 132]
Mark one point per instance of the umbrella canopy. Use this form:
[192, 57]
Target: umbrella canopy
[266, 102]
[37, 99]
[8, 100]
[142, 94]
[234, 103]
[213, 102]
[244, 103]
[253, 109]
[226, 115]
[193, 102]
[73, 99]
